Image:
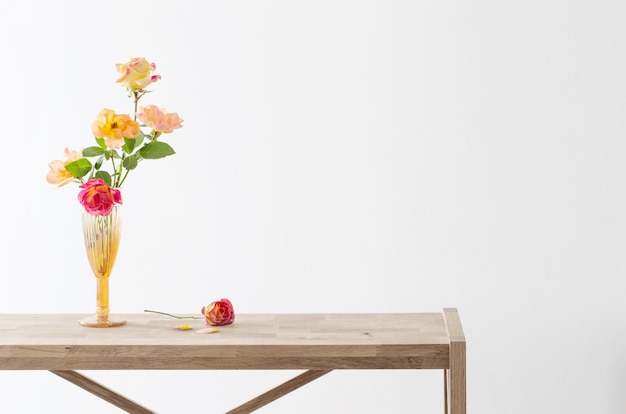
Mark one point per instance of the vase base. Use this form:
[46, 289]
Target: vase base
[99, 322]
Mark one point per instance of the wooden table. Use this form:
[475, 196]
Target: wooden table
[317, 343]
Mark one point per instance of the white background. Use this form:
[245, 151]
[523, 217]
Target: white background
[336, 156]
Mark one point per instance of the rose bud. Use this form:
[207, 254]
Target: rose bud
[219, 313]
[136, 74]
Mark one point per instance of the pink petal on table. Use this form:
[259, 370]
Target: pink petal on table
[207, 330]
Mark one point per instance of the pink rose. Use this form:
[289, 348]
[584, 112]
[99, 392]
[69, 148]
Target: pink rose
[219, 313]
[98, 198]
[159, 120]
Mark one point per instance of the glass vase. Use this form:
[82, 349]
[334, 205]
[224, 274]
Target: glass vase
[102, 240]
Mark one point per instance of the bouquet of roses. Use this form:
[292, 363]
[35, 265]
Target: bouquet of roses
[122, 142]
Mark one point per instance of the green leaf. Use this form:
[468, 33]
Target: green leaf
[93, 151]
[155, 150]
[101, 142]
[79, 168]
[139, 139]
[105, 176]
[130, 163]
[99, 162]
[129, 145]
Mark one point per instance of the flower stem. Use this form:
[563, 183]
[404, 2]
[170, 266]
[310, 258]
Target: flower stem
[119, 175]
[124, 178]
[137, 97]
[115, 179]
[173, 316]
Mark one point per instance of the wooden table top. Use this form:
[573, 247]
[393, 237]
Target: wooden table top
[254, 341]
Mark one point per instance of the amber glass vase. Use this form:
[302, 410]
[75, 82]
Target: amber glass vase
[102, 239]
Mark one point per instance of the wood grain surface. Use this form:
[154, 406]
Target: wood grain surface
[318, 343]
[279, 341]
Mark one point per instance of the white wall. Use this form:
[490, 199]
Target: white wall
[337, 156]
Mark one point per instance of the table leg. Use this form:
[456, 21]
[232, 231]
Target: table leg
[456, 381]
[103, 392]
[278, 392]
[445, 392]
[456, 374]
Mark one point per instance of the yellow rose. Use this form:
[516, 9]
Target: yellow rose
[136, 74]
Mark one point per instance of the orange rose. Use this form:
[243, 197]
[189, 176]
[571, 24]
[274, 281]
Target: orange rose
[58, 174]
[219, 313]
[114, 128]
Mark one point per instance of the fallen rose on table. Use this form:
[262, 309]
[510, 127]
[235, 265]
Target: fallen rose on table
[218, 313]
